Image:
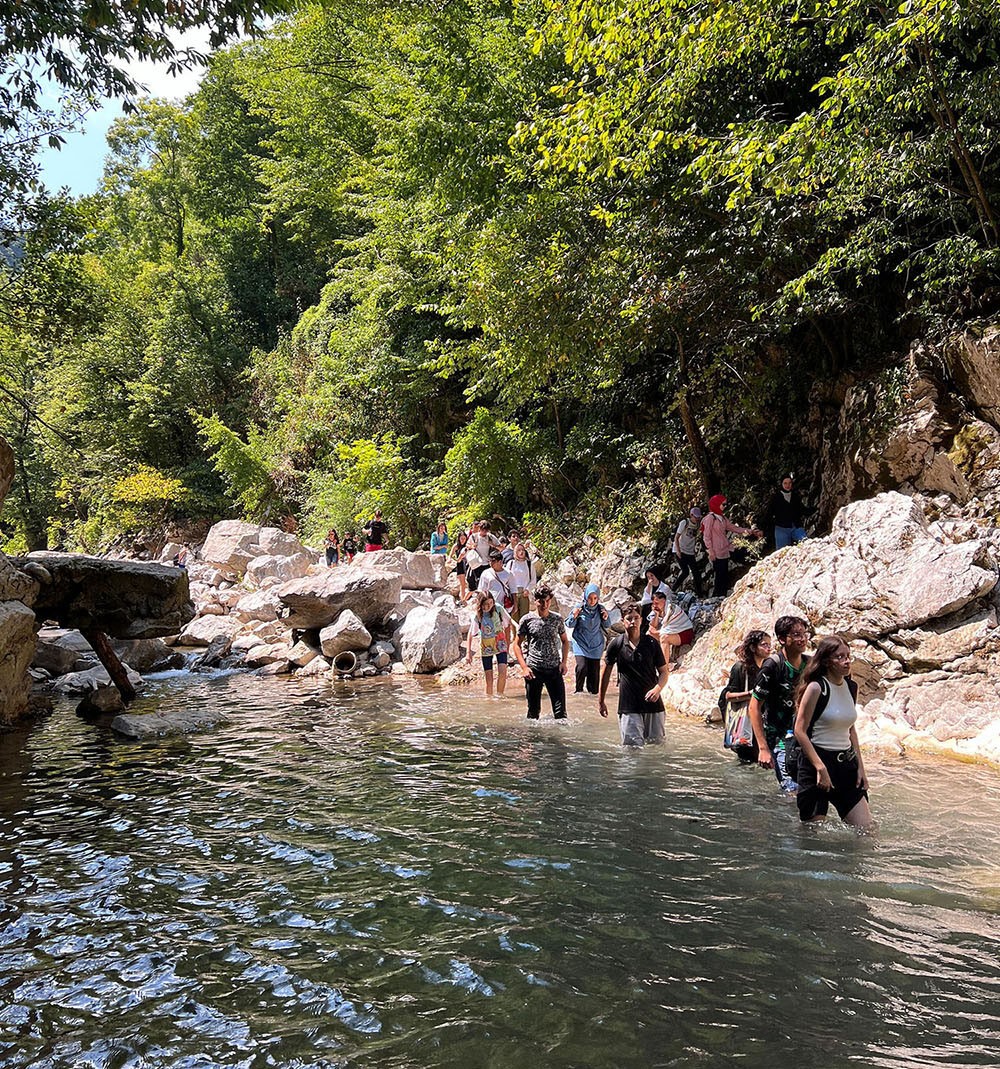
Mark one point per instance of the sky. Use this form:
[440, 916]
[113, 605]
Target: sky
[79, 164]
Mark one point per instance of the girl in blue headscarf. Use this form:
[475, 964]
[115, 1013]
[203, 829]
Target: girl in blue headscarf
[587, 623]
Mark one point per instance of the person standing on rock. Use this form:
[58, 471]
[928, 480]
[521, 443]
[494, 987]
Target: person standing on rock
[830, 768]
[588, 622]
[642, 674]
[715, 531]
[348, 548]
[492, 625]
[786, 512]
[332, 546]
[458, 551]
[376, 530]
[522, 572]
[685, 548]
[541, 648]
[671, 626]
[772, 704]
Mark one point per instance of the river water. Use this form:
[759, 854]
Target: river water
[393, 875]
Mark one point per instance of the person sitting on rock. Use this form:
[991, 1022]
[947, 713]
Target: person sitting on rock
[642, 674]
[492, 624]
[588, 622]
[715, 531]
[671, 626]
[653, 582]
[772, 704]
[786, 511]
[541, 648]
[376, 530]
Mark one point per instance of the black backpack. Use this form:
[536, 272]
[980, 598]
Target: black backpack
[793, 751]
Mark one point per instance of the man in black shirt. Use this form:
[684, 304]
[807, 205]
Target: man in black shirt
[375, 531]
[642, 675]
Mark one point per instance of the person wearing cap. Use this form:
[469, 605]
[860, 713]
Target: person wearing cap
[671, 626]
[715, 531]
[685, 547]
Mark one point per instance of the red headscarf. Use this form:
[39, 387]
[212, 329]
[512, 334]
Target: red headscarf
[715, 504]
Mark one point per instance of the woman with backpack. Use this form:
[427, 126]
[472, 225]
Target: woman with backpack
[752, 652]
[491, 624]
[830, 768]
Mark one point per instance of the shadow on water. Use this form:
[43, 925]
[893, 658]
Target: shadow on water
[392, 875]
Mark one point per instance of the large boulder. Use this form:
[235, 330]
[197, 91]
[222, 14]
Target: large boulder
[347, 632]
[417, 571]
[16, 585]
[124, 599]
[260, 605]
[230, 546]
[281, 568]
[205, 629]
[429, 639]
[274, 542]
[317, 600]
[620, 566]
[17, 644]
[61, 650]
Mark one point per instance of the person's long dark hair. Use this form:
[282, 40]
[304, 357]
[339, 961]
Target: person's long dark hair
[462, 537]
[819, 663]
[748, 648]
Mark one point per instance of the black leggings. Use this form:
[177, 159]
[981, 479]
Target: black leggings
[720, 566]
[551, 679]
[689, 566]
[588, 673]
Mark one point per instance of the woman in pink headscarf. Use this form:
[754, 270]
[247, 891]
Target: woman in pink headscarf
[715, 531]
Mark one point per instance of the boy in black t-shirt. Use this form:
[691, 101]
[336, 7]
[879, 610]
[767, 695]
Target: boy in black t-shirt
[642, 675]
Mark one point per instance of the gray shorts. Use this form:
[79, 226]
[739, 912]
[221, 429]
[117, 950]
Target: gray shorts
[639, 728]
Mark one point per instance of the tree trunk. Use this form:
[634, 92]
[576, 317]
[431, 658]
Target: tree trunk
[692, 431]
[119, 676]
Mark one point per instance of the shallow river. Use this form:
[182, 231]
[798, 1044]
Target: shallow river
[390, 875]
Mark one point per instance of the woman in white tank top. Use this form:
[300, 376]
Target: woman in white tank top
[831, 768]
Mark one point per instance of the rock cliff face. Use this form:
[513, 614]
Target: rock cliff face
[930, 429]
[916, 599]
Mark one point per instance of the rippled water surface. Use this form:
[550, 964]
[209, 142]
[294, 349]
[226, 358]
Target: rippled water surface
[399, 876]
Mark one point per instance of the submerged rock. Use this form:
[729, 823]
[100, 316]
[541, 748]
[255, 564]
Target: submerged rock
[156, 725]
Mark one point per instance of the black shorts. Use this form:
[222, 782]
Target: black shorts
[843, 768]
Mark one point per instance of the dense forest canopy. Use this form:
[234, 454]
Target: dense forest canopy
[538, 260]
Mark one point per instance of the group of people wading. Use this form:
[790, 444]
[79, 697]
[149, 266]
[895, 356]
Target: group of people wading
[783, 710]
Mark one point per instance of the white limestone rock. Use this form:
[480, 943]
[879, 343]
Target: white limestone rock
[429, 639]
[347, 632]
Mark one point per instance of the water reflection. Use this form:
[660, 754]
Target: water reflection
[396, 876]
